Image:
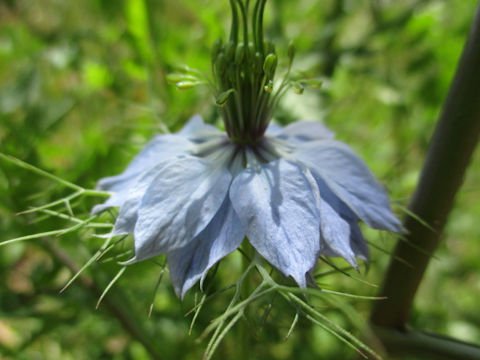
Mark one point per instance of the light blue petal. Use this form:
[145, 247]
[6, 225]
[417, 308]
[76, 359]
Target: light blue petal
[222, 236]
[116, 199]
[335, 234]
[355, 241]
[358, 243]
[178, 205]
[349, 178]
[301, 131]
[277, 203]
[273, 129]
[161, 148]
[333, 200]
[196, 129]
[127, 216]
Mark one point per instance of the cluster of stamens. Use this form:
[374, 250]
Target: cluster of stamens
[244, 73]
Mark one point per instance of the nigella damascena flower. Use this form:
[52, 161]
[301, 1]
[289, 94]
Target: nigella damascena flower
[296, 194]
[293, 192]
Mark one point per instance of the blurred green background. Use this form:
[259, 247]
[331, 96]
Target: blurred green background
[82, 88]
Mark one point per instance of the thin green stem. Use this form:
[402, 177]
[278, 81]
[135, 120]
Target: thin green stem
[38, 171]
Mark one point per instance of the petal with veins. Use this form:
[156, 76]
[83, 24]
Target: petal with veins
[335, 234]
[277, 204]
[127, 216]
[161, 148]
[349, 178]
[178, 205]
[222, 236]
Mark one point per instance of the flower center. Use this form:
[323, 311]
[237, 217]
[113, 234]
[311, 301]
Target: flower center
[244, 70]
[244, 75]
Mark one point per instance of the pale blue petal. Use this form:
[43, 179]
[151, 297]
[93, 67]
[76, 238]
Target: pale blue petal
[161, 148]
[178, 205]
[277, 203]
[335, 234]
[358, 243]
[116, 199]
[127, 216]
[353, 237]
[222, 236]
[349, 178]
[301, 131]
[196, 129]
[273, 129]
[333, 200]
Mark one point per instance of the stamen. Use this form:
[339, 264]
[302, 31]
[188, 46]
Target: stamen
[234, 28]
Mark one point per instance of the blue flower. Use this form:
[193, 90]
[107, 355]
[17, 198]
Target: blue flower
[295, 193]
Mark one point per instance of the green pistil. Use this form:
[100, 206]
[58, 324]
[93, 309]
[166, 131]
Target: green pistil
[244, 75]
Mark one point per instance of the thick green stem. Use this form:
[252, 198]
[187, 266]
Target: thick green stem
[451, 147]
[427, 346]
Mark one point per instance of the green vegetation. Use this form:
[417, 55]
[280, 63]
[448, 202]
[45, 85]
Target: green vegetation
[83, 86]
